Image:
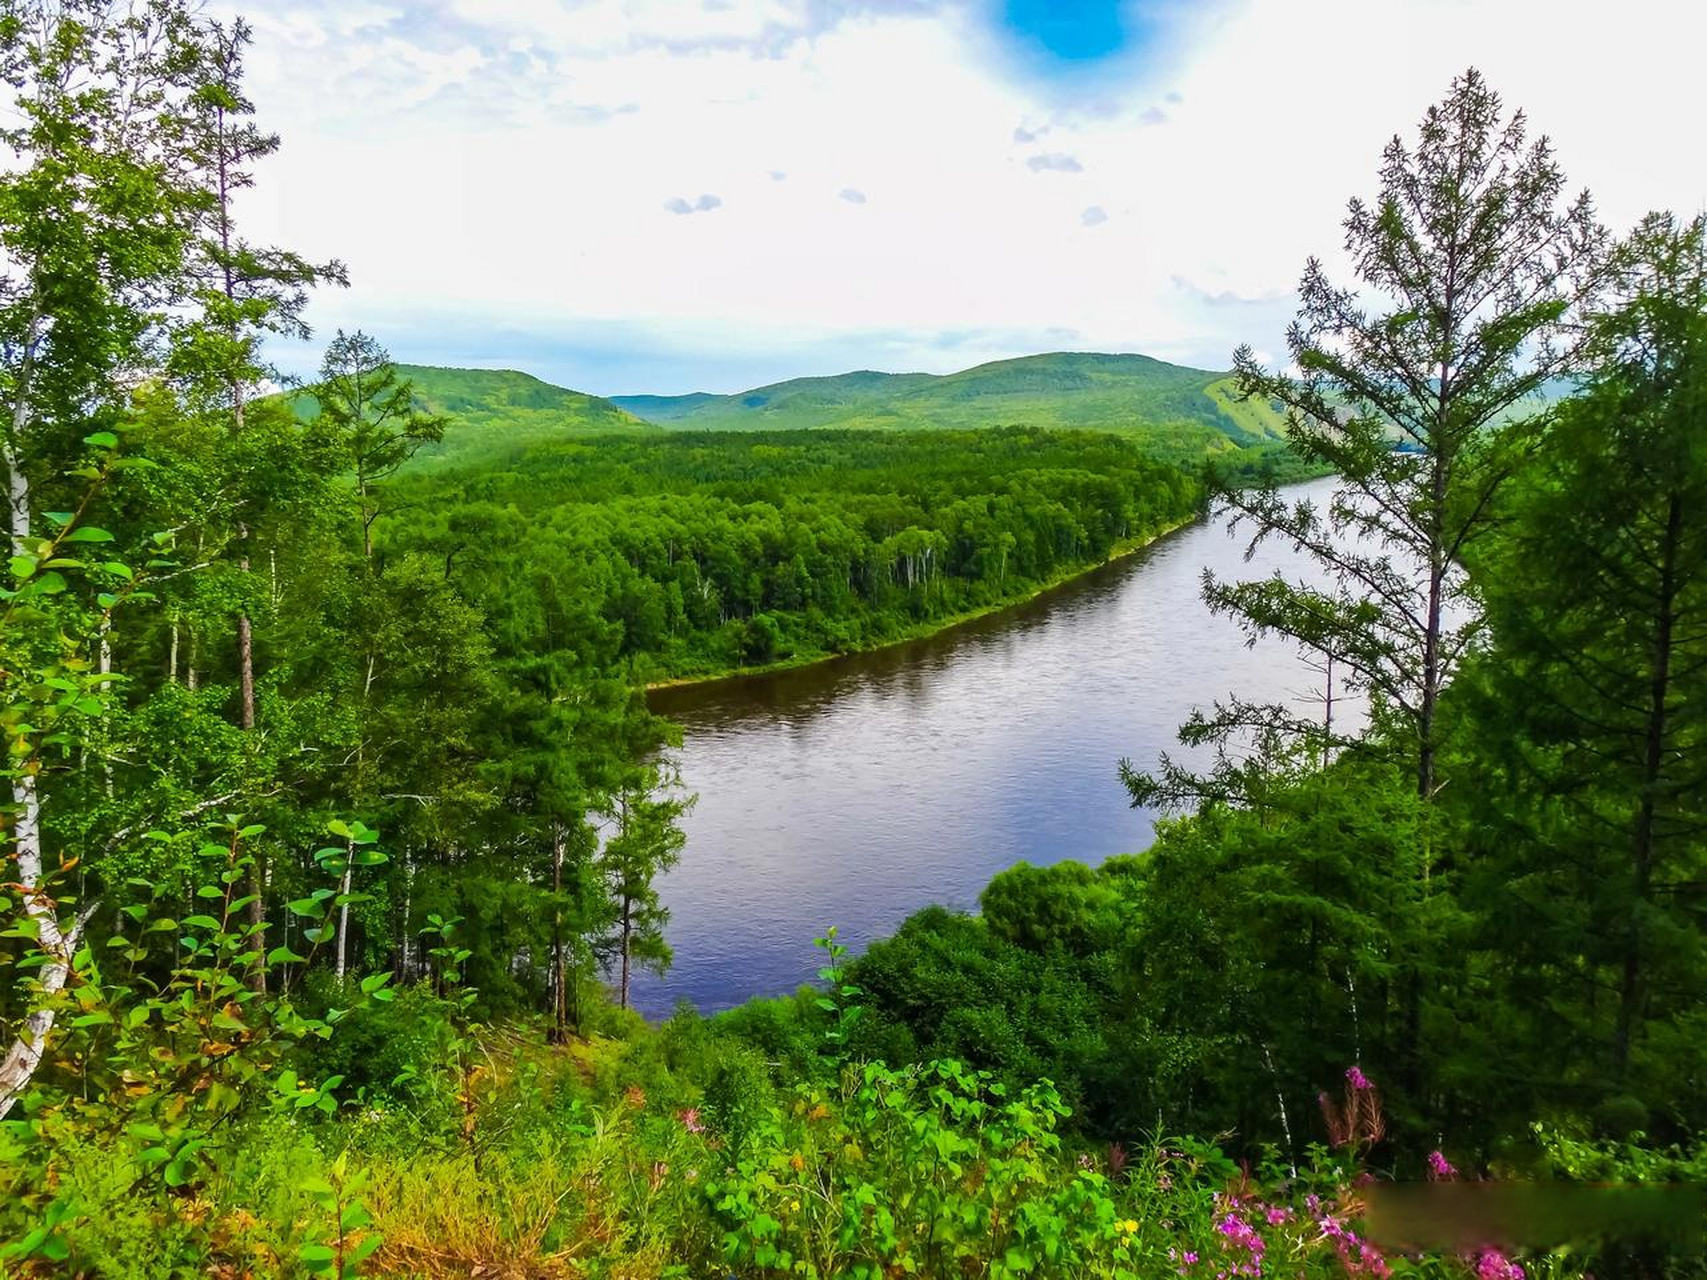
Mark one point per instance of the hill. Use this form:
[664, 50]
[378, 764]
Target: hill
[497, 410]
[1168, 407]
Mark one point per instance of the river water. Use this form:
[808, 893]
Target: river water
[857, 791]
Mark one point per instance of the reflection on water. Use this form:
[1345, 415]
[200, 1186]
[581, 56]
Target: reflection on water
[857, 791]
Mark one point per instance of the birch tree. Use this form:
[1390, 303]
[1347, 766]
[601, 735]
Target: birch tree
[98, 204]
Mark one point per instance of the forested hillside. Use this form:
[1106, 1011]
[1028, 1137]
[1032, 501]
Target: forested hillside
[1177, 412]
[336, 815]
[490, 412]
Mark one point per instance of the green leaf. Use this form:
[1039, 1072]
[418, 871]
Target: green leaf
[316, 1257]
[87, 533]
[102, 440]
[23, 566]
[200, 922]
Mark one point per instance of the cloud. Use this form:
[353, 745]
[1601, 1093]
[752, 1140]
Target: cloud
[1093, 215]
[675, 204]
[852, 195]
[1054, 162]
[1153, 115]
[777, 175]
[508, 115]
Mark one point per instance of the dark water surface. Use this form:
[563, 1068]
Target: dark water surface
[857, 791]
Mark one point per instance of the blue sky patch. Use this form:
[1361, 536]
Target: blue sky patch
[1072, 31]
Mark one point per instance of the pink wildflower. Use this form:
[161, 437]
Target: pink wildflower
[1440, 1168]
[691, 1121]
[1491, 1264]
[1356, 1079]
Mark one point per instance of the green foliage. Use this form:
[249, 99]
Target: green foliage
[700, 553]
[1176, 413]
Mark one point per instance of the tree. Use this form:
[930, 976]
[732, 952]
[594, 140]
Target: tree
[368, 409]
[1589, 707]
[98, 206]
[647, 842]
[245, 293]
[1418, 389]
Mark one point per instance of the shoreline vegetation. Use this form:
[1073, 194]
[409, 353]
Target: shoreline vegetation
[929, 630]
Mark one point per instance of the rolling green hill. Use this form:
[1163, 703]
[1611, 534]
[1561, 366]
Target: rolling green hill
[1173, 409]
[497, 410]
[1176, 414]
[494, 410]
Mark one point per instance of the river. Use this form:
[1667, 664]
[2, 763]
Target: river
[857, 791]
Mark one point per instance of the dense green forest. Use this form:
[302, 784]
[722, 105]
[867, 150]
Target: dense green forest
[708, 553]
[336, 811]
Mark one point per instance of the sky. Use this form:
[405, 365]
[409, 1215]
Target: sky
[626, 196]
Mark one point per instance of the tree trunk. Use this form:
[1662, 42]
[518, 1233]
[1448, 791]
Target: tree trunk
[627, 946]
[57, 944]
[1653, 767]
[559, 970]
[344, 920]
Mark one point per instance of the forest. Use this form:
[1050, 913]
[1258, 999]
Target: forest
[336, 812]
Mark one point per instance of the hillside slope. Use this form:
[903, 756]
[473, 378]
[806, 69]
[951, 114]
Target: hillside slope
[494, 411]
[1158, 402]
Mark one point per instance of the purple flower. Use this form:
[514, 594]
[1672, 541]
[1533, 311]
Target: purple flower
[1439, 1167]
[1355, 1077]
[1491, 1264]
[691, 1121]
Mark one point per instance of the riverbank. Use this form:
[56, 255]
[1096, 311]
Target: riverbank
[935, 626]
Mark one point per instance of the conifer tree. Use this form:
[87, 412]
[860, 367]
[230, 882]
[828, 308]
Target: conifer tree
[1418, 387]
[1590, 707]
[368, 411]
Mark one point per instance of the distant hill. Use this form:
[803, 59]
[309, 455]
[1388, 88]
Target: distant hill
[1163, 404]
[497, 410]
[500, 409]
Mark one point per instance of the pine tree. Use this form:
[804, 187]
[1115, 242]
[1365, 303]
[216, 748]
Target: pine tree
[368, 411]
[1591, 704]
[1417, 388]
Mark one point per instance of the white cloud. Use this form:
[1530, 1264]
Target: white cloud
[675, 204]
[1054, 162]
[852, 195]
[1093, 216]
[503, 163]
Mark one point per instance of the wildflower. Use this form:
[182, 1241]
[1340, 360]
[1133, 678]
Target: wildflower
[1128, 1225]
[1491, 1264]
[794, 1206]
[797, 1162]
[1439, 1168]
[1085, 1161]
[635, 1096]
[1276, 1215]
[691, 1121]
[1356, 1079]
